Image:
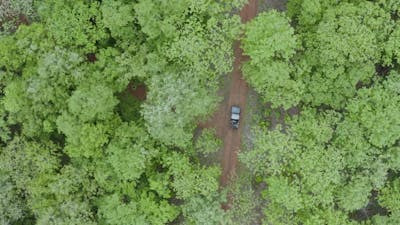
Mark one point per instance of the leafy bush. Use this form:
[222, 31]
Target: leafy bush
[208, 143]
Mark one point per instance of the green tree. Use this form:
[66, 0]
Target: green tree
[331, 217]
[170, 112]
[208, 142]
[84, 139]
[392, 47]
[355, 194]
[130, 151]
[341, 51]
[199, 210]
[12, 206]
[139, 209]
[271, 44]
[119, 17]
[36, 99]
[284, 193]
[22, 162]
[389, 196]
[90, 103]
[375, 109]
[272, 153]
[4, 130]
[190, 181]
[73, 24]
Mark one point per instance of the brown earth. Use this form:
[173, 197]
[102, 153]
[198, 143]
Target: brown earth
[237, 95]
[138, 91]
[91, 57]
[18, 20]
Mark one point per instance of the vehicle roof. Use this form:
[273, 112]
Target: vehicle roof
[236, 109]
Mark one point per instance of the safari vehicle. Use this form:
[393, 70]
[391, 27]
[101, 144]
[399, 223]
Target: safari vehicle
[235, 116]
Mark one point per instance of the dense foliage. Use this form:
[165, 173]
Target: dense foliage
[78, 147]
[271, 43]
[75, 146]
[337, 161]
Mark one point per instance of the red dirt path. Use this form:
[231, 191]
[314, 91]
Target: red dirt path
[237, 96]
[138, 91]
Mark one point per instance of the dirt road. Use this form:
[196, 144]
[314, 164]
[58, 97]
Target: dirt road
[237, 93]
[237, 96]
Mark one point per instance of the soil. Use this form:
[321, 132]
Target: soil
[138, 91]
[371, 209]
[22, 19]
[17, 21]
[91, 57]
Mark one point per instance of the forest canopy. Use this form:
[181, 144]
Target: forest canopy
[336, 159]
[99, 101]
[75, 146]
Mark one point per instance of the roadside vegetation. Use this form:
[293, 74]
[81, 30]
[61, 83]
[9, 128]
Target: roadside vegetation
[337, 160]
[76, 148]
